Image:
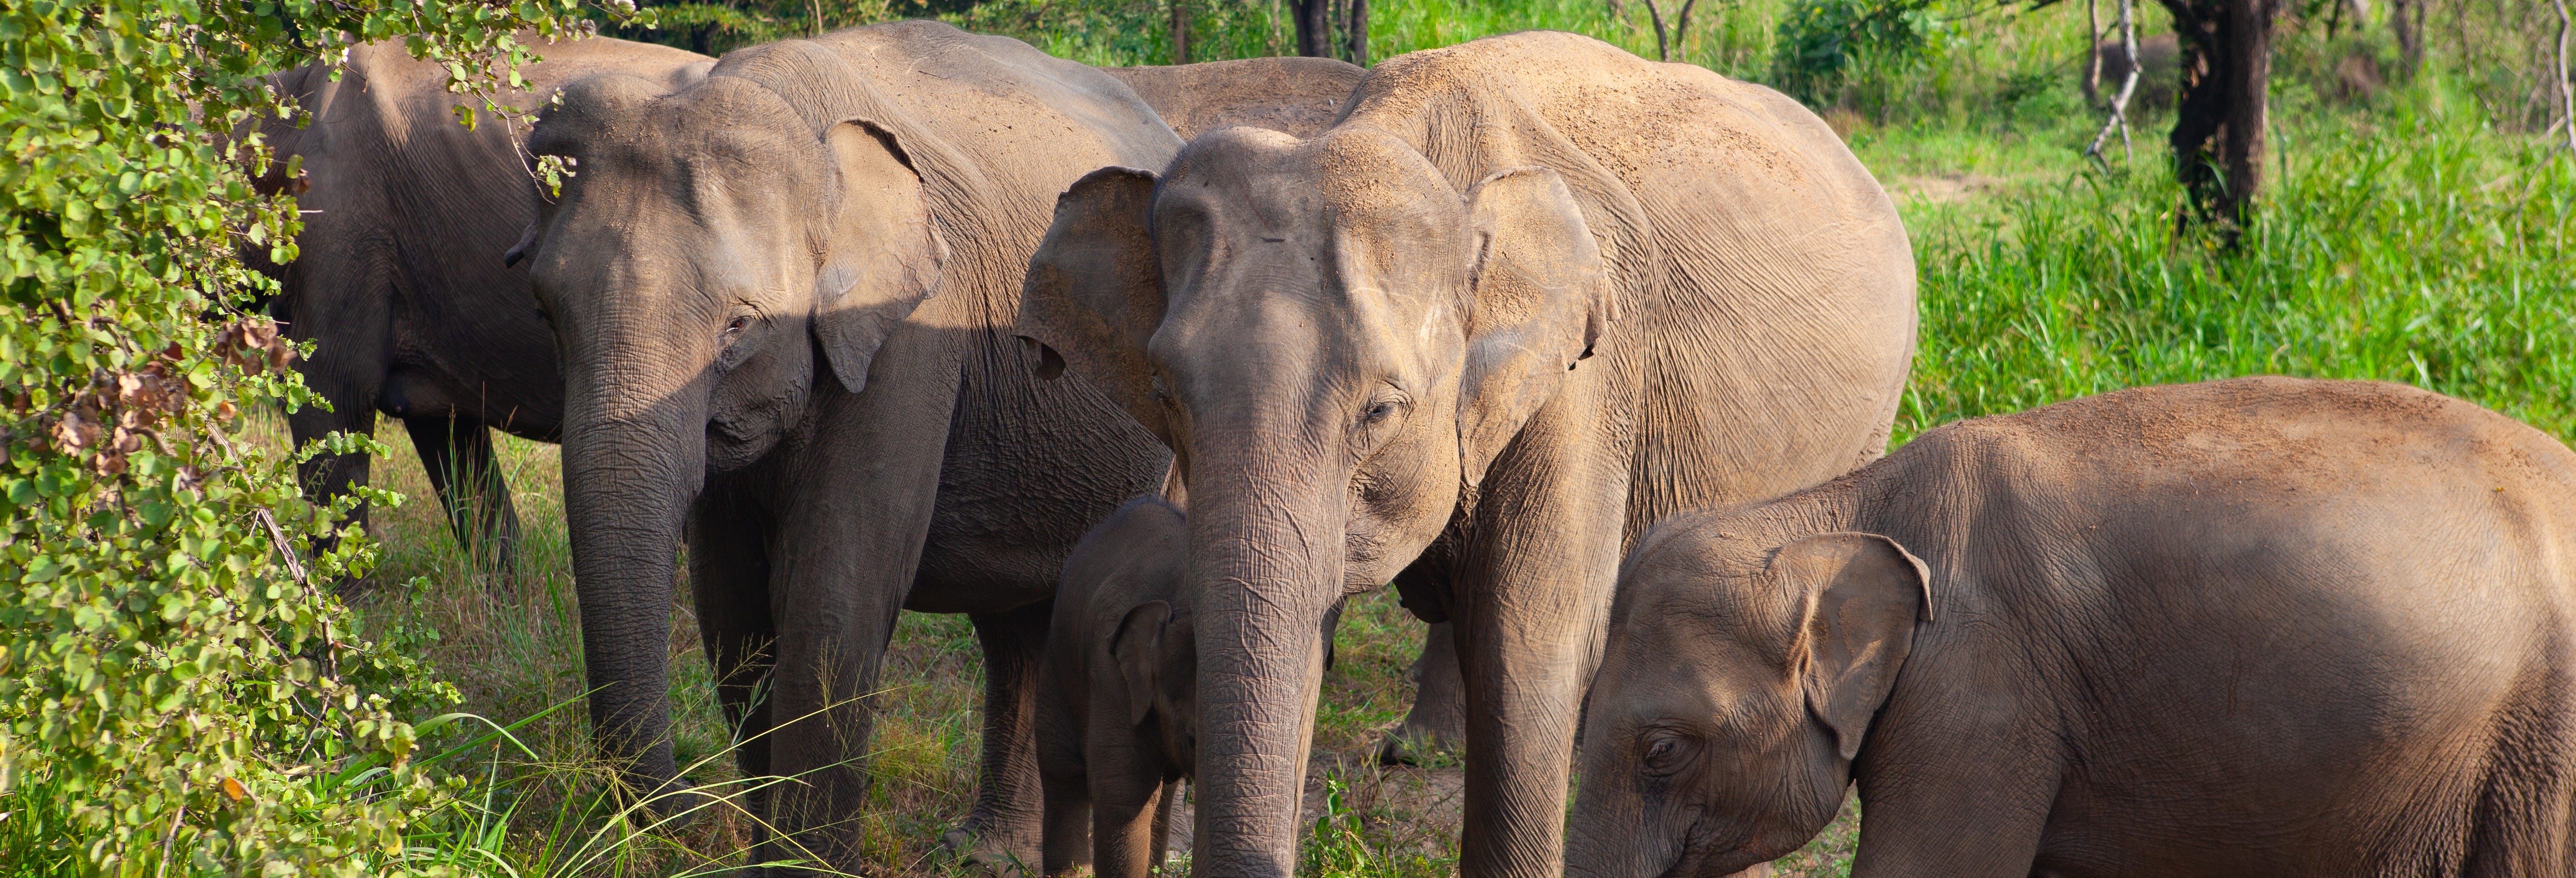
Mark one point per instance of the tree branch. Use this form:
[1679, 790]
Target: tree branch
[2128, 86]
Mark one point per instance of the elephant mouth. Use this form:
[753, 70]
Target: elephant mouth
[1703, 856]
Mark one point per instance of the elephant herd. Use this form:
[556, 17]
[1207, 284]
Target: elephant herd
[1148, 369]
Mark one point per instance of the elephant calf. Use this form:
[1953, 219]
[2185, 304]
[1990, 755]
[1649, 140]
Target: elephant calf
[1117, 706]
[1117, 711]
[2254, 627]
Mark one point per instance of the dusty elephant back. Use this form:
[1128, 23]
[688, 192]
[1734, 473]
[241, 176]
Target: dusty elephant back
[1298, 96]
[996, 127]
[1766, 282]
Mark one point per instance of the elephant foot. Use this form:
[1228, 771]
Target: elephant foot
[674, 806]
[1418, 749]
[1433, 730]
[975, 843]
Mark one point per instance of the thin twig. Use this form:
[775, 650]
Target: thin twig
[1663, 52]
[2128, 86]
[2566, 90]
[2093, 50]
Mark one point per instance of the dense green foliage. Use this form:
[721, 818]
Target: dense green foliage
[1820, 39]
[180, 693]
[2414, 243]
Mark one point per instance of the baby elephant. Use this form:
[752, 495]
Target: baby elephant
[1117, 710]
[1117, 700]
[2256, 627]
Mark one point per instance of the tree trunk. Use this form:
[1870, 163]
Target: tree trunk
[1180, 32]
[1357, 25]
[2220, 112]
[2093, 51]
[2406, 19]
[1314, 29]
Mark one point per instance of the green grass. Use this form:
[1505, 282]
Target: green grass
[2406, 237]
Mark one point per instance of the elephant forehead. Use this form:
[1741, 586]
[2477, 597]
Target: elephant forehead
[1371, 179]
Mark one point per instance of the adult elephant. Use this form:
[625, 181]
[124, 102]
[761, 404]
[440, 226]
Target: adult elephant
[1529, 295]
[397, 286]
[1301, 97]
[784, 297]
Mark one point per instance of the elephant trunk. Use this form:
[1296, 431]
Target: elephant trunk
[1604, 840]
[633, 462]
[1266, 563]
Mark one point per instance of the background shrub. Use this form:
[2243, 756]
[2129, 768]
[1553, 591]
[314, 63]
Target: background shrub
[180, 692]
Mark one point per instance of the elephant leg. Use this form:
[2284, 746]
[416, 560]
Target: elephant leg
[328, 477]
[1003, 830]
[1531, 598]
[854, 511]
[729, 585]
[1126, 791]
[1067, 847]
[1438, 721]
[1165, 804]
[465, 472]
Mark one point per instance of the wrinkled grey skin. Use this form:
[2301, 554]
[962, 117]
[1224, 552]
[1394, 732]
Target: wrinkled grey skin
[2256, 627]
[782, 296]
[400, 283]
[1528, 296]
[1118, 715]
[1301, 97]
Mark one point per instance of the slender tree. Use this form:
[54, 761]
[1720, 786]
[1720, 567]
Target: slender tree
[2566, 88]
[2406, 19]
[1180, 32]
[2093, 51]
[1357, 26]
[1314, 28]
[1666, 41]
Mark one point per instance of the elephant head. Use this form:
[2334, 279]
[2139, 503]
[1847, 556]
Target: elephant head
[1336, 343]
[713, 254]
[1739, 683]
[1156, 658]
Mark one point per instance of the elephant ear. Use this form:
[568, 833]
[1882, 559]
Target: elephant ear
[883, 253]
[1862, 594]
[1542, 299]
[1094, 293]
[1137, 647]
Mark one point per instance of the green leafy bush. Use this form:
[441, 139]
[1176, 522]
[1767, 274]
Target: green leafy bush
[1820, 39]
[180, 692]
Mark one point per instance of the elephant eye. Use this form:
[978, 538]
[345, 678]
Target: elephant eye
[1380, 411]
[1666, 753]
[738, 324]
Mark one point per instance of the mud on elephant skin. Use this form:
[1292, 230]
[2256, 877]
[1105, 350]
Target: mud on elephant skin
[1294, 96]
[1527, 296]
[2255, 627]
[400, 284]
[782, 296]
